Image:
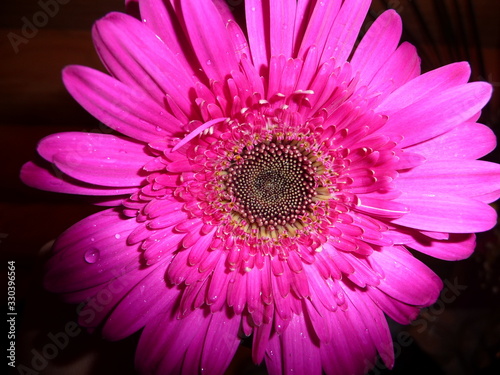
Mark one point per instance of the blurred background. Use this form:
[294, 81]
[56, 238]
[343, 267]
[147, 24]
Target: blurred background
[457, 336]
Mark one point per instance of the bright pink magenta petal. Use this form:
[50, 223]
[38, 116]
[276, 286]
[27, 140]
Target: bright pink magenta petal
[150, 294]
[468, 140]
[467, 178]
[298, 338]
[402, 66]
[319, 26]
[437, 114]
[143, 61]
[92, 252]
[446, 213]
[258, 27]
[458, 247]
[377, 46]
[375, 322]
[221, 342]
[397, 310]
[101, 300]
[209, 38]
[406, 278]
[159, 16]
[282, 19]
[122, 108]
[167, 339]
[99, 159]
[173, 346]
[351, 347]
[51, 179]
[345, 31]
[429, 83]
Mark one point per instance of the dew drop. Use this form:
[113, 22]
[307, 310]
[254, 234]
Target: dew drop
[117, 236]
[209, 62]
[91, 256]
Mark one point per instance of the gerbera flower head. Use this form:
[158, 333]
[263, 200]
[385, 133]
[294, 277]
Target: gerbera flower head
[266, 182]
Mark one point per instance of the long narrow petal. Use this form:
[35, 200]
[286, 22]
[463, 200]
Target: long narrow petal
[319, 25]
[134, 55]
[457, 247]
[402, 66]
[150, 294]
[406, 278]
[119, 106]
[159, 16]
[468, 140]
[446, 213]
[467, 178]
[282, 16]
[220, 342]
[434, 81]
[345, 31]
[99, 159]
[50, 178]
[377, 45]
[208, 35]
[92, 252]
[258, 27]
[437, 114]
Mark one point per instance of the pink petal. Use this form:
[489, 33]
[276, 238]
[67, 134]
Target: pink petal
[258, 27]
[319, 26]
[446, 213]
[458, 247]
[150, 295]
[345, 31]
[221, 342]
[468, 140]
[209, 39]
[296, 339]
[377, 45]
[429, 83]
[351, 348]
[467, 178]
[51, 179]
[282, 17]
[92, 252]
[381, 207]
[402, 66]
[397, 310]
[122, 108]
[164, 342]
[406, 278]
[99, 159]
[134, 55]
[438, 113]
[160, 16]
[375, 322]
[101, 300]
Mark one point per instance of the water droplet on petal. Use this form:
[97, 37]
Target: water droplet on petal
[91, 256]
[117, 236]
[209, 62]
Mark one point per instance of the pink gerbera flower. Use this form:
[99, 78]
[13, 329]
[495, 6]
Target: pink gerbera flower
[266, 182]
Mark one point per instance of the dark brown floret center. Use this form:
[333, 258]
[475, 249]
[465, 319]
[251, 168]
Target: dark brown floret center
[272, 184]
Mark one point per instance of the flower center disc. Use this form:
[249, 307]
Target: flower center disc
[272, 184]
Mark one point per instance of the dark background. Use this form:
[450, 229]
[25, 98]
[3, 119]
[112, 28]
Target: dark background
[463, 337]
